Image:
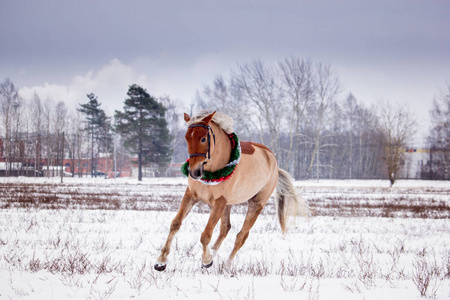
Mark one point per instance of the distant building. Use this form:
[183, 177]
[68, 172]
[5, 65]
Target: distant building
[415, 161]
[103, 167]
[28, 159]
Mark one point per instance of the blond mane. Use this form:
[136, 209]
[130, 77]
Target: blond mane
[220, 119]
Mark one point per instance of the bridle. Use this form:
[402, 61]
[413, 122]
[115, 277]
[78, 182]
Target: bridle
[207, 155]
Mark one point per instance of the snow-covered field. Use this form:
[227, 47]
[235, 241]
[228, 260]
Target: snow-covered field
[99, 239]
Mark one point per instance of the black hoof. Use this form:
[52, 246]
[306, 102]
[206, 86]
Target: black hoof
[207, 266]
[160, 268]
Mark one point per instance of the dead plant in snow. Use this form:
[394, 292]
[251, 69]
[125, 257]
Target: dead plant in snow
[426, 275]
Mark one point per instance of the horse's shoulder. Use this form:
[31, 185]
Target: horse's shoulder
[248, 147]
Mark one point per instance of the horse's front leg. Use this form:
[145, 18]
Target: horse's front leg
[186, 205]
[217, 208]
[225, 226]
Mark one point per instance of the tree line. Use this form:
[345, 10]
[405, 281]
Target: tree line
[439, 138]
[37, 135]
[300, 110]
[296, 107]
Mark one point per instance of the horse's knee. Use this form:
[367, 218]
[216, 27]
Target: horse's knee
[205, 238]
[175, 225]
[241, 237]
[225, 228]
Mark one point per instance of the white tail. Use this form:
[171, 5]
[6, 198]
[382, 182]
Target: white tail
[289, 203]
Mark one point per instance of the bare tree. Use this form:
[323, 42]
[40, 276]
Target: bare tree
[226, 96]
[60, 120]
[328, 88]
[176, 127]
[359, 142]
[9, 98]
[48, 114]
[60, 117]
[439, 138]
[71, 140]
[80, 136]
[294, 107]
[397, 127]
[38, 128]
[27, 127]
[18, 146]
[351, 113]
[298, 84]
[259, 86]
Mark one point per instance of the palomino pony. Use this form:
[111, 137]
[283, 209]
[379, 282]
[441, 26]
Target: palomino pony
[223, 172]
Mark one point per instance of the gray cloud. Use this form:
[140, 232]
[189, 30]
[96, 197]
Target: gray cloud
[67, 31]
[391, 49]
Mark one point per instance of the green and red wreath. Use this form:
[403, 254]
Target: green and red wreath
[216, 177]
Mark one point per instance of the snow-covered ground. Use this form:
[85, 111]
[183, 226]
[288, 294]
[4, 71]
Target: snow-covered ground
[77, 251]
[182, 181]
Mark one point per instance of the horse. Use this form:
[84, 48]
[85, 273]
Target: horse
[222, 172]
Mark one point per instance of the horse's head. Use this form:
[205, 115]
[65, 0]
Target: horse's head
[200, 140]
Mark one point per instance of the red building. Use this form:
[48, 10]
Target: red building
[103, 166]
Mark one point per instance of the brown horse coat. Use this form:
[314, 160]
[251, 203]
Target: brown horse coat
[253, 180]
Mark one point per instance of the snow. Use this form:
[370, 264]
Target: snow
[80, 253]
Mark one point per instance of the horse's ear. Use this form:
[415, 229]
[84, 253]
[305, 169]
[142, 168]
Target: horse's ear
[187, 118]
[208, 118]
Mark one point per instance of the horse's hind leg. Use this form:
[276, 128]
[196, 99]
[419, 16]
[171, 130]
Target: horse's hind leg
[186, 205]
[255, 206]
[217, 208]
[225, 226]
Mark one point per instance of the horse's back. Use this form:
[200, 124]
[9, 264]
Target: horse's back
[248, 147]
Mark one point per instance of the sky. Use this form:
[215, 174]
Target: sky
[397, 50]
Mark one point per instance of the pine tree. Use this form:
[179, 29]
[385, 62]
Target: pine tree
[97, 126]
[144, 128]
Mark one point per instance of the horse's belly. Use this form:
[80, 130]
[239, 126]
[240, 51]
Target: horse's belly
[251, 177]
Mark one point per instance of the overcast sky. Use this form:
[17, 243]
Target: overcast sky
[395, 50]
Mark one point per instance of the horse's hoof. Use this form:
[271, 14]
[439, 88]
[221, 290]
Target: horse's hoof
[207, 266]
[160, 267]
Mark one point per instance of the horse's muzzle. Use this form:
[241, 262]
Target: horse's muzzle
[197, 173]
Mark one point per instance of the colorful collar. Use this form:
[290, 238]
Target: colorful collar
[216, 177]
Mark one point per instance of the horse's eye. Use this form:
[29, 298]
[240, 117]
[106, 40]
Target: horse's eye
[203, 140]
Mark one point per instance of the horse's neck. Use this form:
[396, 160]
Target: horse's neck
[221, 155]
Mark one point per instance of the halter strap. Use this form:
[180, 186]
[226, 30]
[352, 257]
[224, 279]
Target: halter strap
[207, 155]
